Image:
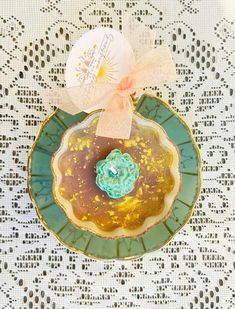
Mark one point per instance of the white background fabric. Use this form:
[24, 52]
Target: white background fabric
[196, 270]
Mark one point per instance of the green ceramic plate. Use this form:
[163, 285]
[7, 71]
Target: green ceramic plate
[53, 217]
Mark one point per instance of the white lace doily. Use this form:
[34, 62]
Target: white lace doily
[196, 270]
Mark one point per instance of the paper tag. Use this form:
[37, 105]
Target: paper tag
[99, 55]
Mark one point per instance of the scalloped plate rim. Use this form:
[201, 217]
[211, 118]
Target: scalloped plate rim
[61, 241]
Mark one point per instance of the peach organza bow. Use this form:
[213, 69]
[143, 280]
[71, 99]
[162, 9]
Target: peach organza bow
[154, 66]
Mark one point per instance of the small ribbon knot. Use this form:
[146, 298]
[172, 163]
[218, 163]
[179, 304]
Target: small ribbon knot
[125, 86]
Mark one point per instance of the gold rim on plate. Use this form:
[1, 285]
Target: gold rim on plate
[166, 215]
[45, 225]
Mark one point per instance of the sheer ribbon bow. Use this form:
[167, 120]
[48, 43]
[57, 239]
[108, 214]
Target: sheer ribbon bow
[152, 67]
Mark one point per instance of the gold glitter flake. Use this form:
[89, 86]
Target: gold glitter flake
[97, 198]
[74, 197]
[68, 172]
[75, 159]
[61, 190]
[130, 143]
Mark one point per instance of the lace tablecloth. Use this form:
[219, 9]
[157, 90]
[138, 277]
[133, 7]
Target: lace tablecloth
[196, 270]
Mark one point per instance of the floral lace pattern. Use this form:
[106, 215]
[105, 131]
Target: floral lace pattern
[196, 269]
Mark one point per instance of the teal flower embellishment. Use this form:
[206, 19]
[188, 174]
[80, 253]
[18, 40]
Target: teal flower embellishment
[116, 175]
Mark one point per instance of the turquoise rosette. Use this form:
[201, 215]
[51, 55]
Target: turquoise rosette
[116, 175]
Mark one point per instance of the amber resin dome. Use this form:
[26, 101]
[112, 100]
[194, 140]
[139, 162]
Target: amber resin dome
[90, 208]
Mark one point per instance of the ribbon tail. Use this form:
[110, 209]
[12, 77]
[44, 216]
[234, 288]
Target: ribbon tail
[84, 97]
[154, 67]
[61, 99]
[139, 36]
[116, 120]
